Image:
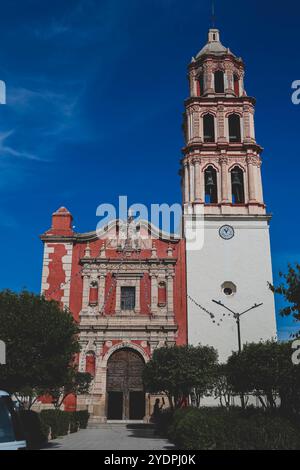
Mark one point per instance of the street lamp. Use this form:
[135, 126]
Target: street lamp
[237, 317]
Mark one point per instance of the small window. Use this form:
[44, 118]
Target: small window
[211, 189]
[228, 289]
[234, 124]
[209, 128]
[219, 82]
[128, 298]
[236, 85]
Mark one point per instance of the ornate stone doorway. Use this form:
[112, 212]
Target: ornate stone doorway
[125, 390]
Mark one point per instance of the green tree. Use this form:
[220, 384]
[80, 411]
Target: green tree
[266, 370]
[181, 371]
[223, 390]
[77, 383]
[290, 290]
[41, 342]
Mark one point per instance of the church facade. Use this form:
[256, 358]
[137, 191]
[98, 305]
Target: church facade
[143, 289]
[128, 294]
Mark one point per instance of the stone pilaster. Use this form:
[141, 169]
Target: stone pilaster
[170, 293]
[154, 293]
[86, 291]
[198, 180]
[224, 178]
[252, 161]
[186, 184]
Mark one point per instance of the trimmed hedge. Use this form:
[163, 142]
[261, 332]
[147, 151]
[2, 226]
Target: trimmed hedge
[60, 422]
[36, 432]
[234, 429]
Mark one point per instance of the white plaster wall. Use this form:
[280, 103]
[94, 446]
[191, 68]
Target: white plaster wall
[246, 261]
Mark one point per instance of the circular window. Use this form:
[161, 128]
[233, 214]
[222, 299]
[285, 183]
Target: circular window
[228, 289]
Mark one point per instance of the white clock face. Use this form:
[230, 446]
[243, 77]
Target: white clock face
[226, 232]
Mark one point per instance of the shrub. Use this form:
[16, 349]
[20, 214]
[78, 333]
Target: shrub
[57, 420]
[74, 422]
[83, 418]
[60, 422]
[163, 421]
[234, 429]
[36, 431]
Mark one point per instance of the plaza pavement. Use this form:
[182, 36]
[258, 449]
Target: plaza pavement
[113, 437]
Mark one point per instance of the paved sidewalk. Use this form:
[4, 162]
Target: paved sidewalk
[112, 437]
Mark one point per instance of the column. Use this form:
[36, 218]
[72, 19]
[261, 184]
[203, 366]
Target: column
[246, 120]
[197, 184]
[101, 292]
[192, 189]
[251, 162]
[81, 364]
[170, 293]
[186, 184]
[86, 291]
[138, 296]
[193, 83]
[224, 178]
[221, 135]
[208, 79]
[154, 293]
[98, 376]
[229, 79]
[118, 296]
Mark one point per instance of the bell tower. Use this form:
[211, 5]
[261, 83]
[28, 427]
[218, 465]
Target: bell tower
[221, 179]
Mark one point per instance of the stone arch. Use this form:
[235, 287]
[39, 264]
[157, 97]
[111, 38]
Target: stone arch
[126, 398]
[208, 164]
[124, 345]
[237, 164]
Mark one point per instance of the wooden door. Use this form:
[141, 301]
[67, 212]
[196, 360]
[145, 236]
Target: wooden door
[124, 374]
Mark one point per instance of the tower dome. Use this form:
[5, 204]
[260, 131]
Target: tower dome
[214, 45]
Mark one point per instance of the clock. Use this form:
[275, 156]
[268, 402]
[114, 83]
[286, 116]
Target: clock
[226, 232]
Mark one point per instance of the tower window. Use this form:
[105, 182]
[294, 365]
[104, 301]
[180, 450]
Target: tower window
[237, 185]
[211, 188]
[200, 85]
[236, 85]
[234, 124]
[128, 298]
[209, 128]
[219, 82]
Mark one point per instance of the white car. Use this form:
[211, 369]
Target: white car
[11, 434]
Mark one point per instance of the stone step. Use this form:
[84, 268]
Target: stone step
[109, 424]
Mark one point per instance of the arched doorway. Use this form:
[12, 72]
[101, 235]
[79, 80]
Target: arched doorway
[125, 390]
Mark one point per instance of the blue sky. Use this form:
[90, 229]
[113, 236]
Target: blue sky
[95, 94]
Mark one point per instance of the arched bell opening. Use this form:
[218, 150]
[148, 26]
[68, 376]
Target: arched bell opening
[211, 186]
[237, 186]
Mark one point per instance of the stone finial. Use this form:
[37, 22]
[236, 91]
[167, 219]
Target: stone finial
[103, 251]
[170, 251]
[87, 253]
[154, 250]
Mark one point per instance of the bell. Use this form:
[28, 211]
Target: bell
[210, 181]
[236, 179]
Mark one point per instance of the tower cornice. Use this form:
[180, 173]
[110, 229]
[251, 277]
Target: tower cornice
[219, 100]
[244, 148]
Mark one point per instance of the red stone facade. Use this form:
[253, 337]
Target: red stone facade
[125, 293]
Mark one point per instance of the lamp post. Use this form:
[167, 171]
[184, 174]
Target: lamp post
[237, 317]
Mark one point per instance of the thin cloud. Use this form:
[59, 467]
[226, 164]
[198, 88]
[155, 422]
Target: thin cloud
[6, 150]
